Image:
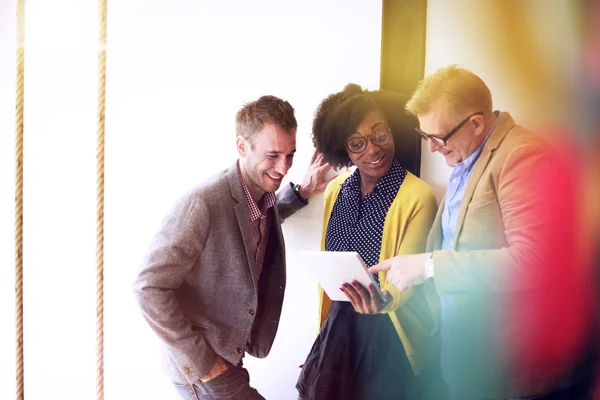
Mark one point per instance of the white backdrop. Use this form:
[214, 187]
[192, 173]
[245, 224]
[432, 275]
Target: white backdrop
[178, 71]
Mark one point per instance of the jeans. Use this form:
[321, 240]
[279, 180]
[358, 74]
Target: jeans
[233, 384]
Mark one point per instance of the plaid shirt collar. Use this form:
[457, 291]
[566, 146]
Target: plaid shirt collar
[268, 200]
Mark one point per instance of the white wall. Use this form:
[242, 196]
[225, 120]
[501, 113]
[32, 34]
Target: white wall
[7, 127]
[177, 72]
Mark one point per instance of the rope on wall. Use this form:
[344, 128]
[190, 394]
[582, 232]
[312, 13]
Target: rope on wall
[19, 106]
[100, 205]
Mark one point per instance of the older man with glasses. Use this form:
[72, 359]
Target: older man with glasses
[500, 251]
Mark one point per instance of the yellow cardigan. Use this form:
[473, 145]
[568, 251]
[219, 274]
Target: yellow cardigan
[405, 231]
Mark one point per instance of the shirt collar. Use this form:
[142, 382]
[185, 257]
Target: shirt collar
[267, 201]
[467, 163]
[383, 186]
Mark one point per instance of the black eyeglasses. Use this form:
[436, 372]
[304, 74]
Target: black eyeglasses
[358, 144]
[441, 141]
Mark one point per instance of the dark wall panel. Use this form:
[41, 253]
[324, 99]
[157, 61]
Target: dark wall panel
[403, 64]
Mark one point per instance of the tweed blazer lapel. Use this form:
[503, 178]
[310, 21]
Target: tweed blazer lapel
[242, 214]
[276, 225]
[496, 137]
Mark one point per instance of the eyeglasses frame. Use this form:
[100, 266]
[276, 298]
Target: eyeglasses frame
[367, 138]
[443, 141]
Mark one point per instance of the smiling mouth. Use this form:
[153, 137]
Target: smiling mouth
[275, 178]
[377, 161]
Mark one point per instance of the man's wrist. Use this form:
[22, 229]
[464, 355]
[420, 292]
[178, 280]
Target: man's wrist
[429, 267]
[300, 192]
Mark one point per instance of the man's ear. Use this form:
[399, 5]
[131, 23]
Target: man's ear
[241, 145]
[479, 123]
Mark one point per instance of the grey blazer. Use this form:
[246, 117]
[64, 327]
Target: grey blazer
[198, 288]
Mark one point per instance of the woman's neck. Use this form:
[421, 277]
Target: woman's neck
[367, 183]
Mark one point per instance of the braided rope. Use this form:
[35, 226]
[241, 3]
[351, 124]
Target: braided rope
[19, 106]
[100, 205]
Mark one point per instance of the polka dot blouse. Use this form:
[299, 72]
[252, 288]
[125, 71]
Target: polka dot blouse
[357, 225]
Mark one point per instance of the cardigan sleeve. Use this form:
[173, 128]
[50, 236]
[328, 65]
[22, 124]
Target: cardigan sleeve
[412, 238]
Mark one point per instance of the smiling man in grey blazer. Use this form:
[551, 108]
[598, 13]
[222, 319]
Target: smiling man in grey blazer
[212, 284]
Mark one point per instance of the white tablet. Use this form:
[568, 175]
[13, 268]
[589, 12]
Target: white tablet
[334, 268]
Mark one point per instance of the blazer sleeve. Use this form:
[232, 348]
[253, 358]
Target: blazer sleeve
[288, 202]
[174, 251]
[532, 194]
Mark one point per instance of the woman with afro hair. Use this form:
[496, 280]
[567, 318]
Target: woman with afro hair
[370, 348]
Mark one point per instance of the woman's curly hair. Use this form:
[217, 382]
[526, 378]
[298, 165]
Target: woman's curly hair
[338, 116]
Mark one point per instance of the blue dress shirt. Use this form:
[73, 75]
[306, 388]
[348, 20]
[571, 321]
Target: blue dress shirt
[453, 368]
[456, 190]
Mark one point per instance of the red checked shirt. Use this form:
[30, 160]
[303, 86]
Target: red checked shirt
[260, 220]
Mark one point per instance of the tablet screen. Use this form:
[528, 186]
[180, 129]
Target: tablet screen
[334, 268]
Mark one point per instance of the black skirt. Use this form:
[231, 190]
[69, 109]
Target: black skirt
[357, 356]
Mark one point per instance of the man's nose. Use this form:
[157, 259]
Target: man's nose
[282, 166]
[433, 146]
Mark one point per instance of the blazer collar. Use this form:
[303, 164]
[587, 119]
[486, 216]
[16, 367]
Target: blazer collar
[505, 124]
[235, 183]
[242, 214]
[496, 137]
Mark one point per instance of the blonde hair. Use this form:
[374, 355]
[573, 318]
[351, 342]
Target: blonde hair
[454, 88]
